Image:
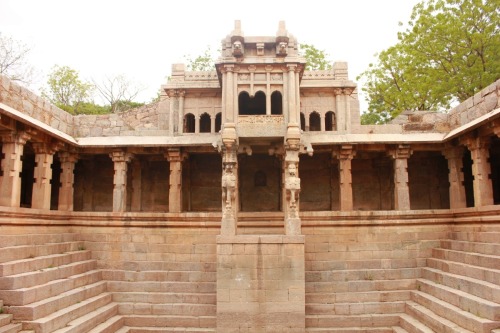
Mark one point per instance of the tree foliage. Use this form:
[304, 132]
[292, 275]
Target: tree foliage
[203, 62]
[119, 92]
[316, 59]
[448, 52]
[66, 90]
[14, 60]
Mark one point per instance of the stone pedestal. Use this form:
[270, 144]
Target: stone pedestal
[260, 283]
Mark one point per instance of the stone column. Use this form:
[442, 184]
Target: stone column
[229, 180]
[136, 200]
[481, 170]
[292, 107]
[454, 156]
[175, 158]
[292, 180]
[197, 124]
[180, 123]
[345, 154]
[120, 160]
[44, 156]
[171, 94]
[347, 92]
[229, 105]
[10, 182]
[68, 161]
[401, 154]
[339, 106]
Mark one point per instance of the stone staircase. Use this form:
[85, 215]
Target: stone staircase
[459, 289]
[49, 283]
[6, 325]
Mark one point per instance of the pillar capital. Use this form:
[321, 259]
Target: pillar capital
[453, 152]
[474, 143]
[401, 151]
[344, 152]
[16, 137]
[120, 156]
[45, 148]
[175, 155]
[67, 157]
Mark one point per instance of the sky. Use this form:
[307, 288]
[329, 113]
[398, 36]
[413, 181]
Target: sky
[143, 38]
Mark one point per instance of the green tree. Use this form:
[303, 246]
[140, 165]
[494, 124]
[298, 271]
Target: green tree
[316, 59]
[14, 60]
[203, 62]
[448, 53]
[66, 90]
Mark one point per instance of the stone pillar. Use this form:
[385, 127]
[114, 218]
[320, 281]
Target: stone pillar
[175, 158]
[292, 107]
[136, 200]
[348, 121]
[481, 170]
[401, 154]
[10, 182]
[197, 124]
[229, 108]
[120, 160]
[454, 156]
[171, 128]
[44, 156]
[68, 161]
[292, 180]
[345, 154]
[180, 124]
[339, 106]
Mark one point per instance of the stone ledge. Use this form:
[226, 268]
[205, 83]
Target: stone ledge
[261, 239]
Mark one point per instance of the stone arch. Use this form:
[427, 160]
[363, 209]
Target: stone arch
[330, 121]
[189, 123]
[276, 103]
[255, 105]
[205, 125]
[314, 121]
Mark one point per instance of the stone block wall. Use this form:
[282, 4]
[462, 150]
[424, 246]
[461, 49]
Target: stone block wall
[25, 101]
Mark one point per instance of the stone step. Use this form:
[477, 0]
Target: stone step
[11, 328]
[91, 320]
[359, 286]
[397, 329]
[35, 239]
[357, 308]
[476, 236]
[465, 301]
[170, 321]
[151, 265]
[454, 314]
[365, 274]
[343, 321]
[111, 325]
[163, 298]
[433, 321]
[42, 276]
[50, 305]
[336, 265]
[31, 251]
[62, 318]
[475, 259]
[175, 276]
[476, 272]
[467, 246]
[174, 309]
[169, 330]
[483, 289]
[123, 329]
[348, 297]
[42, 262]
[156, 286]
[411, 325]
[352, 330]
[33, 294]
[5, 319]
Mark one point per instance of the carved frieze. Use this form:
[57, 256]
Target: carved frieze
[261, 126]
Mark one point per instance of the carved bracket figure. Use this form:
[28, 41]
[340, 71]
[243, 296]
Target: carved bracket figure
[292, 186]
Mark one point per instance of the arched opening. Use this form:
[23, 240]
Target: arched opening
[218, 122]
[302, 121]
[189, 123]
[252, 105]
[205, 126]
[330, 121]
[276, 103]
[314, 122]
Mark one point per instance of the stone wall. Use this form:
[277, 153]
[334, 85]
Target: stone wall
[25, 101]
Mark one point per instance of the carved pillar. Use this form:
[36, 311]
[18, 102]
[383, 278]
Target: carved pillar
[292, 107]
[136, 200]
[229, 151]
[66, 192]
[120, 160]
[175, 158]
[171, 128]
[339, 106]
[180, 123]
[292, 180]
[481, 170]
[10, 182]
[44, 156]
[230, 95]
[454, 156]
[401, 154]
[345, 154]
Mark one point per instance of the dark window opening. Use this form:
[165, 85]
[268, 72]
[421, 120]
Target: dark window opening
[314, 122]
[276, 103]
[468, 178]
[189, 123]
[252, 105]
[218, 122]
[205, 125]
[302, 121]
[330, 121]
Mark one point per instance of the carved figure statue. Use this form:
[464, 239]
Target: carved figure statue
[292, 186]
[282, 48]
[237, 48]
[228, 185]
